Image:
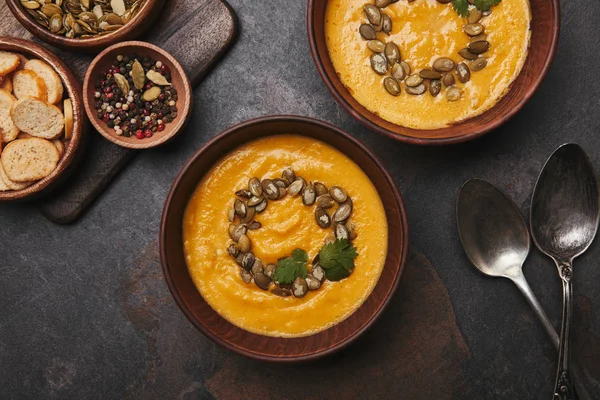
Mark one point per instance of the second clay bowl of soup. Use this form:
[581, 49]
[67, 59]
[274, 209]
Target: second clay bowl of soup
[425, 73]
[283, 239]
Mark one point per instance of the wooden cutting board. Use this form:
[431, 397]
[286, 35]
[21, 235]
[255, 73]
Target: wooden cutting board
[197, 33]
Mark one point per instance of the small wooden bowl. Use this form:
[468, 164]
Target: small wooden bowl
[144, 18]
[545, 27]
[253, 345]
[73, 91]
[179, 80]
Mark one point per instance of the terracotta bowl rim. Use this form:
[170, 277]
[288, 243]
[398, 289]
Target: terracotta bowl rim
[381, 307]
[184, 99]
[72, 87]
[138, 21]
[482, 130]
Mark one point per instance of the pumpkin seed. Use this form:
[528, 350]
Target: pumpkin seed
[479, 64]
[118, 6]
[398, 72]
[391, 85]
[320, 189]
[479, 38]
[392, 53]
[50, 9]
[351, 230]
[463, 73]
[342, 213]
[386, 24]
[281, 292]
[244, 243]
[416, 90]
[138, 76]
[122, 82]
[319, 273]
[249, 215]
[255, 200]
[322, 217]
[299, 287]
[474, 16]
[231, 214]
[254, 225]
[240, 208]
[257, 267]
[55, 24]
[296, 187]
[486, 13]
[376, 46]
[338, 194]
[288, 175]
[269, 270]
[236, 231]
[330, 239]
[382, 3]
[479, 47]
[444, 64]
[255, 187]
[157, 78]
[466, 54]
[280, 183]
[473, 29]
[244, 193]
[270, 189]
[448, 79]
[261, 207]
[413, 81]
[379, 63]
[31, 5]
[430, 74]
[309, 195]
[406, 68]
[454, 93]
[435, 87]
[312, 282]
[373, 14]
[248, 261]
[262, 281]
[341, 232]
[246, 276]
[282, 192]
[325, 201]
[232, 250]
[367, 32]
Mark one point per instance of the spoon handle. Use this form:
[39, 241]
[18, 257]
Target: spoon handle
[563, 389]
[523, 285]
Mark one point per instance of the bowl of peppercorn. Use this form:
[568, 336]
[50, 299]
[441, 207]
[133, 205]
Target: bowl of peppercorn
[137, 95]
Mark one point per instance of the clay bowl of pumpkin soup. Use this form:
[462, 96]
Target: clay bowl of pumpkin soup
[283, 239]
[433, 72]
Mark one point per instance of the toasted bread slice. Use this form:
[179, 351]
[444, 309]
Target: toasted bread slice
[3, 186]
[38, 118]
[23, 135]
[53, 82]
[8, 130]
[8, 62]
[68, 110]
[27, 83]
[59, 146]
[26, 160]
[22, 60]
[6, 83]
[11, 185]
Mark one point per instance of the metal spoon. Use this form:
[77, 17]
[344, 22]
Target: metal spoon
[565, 211]
[495, 238]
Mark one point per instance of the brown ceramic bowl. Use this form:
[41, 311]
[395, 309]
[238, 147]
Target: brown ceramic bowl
[73, 91]
[179, 80]
[143, 19]
[545, 27]
[253, 345]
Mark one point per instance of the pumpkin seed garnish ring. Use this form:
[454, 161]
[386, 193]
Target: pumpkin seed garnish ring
[290, 276]
[386, 61]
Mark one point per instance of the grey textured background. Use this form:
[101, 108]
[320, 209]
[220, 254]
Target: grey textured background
[86, 313]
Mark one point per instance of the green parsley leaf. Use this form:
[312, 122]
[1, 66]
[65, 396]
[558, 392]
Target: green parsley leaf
[290, 268]
[461, 7]
[485, 5]
[337, 259]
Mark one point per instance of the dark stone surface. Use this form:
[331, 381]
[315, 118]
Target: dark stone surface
[86, 313]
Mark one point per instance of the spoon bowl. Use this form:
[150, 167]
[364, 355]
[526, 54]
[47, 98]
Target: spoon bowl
[491, 229]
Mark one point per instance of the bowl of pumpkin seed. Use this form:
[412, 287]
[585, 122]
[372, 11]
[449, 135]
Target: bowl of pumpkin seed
[86, 25]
